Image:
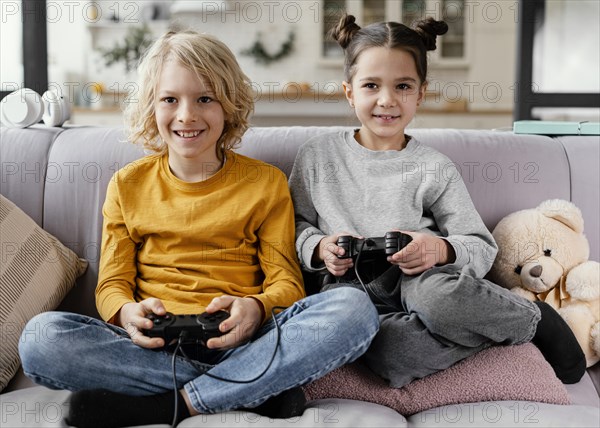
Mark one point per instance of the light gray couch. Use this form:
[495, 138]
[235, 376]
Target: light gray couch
[59, 176]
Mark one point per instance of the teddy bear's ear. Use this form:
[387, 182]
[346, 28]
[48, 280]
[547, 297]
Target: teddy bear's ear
[564, 211]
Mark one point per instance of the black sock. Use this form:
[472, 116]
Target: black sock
[100, 408]
[556, 341]
[288, 404]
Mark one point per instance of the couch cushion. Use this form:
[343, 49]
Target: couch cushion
[584, 154]
[279, 145]
[83, 161]
[42, 407]
[24, 154]
[36, 273]
[501, 414]
[503, 172]
[498, 373]
[321, 413]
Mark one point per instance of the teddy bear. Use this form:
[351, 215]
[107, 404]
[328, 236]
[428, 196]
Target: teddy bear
[543, 255]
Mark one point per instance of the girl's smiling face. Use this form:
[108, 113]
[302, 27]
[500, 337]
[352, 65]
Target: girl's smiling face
[385, 92]
[190, 119]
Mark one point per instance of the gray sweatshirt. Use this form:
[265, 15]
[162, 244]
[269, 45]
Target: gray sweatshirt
[337, 185]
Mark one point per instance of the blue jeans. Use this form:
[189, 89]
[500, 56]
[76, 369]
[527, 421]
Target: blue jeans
[317, 334]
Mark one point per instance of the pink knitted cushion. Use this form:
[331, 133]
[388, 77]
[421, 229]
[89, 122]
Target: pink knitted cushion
[499, 373]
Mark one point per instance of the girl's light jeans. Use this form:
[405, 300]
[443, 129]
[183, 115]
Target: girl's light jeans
[317, 334]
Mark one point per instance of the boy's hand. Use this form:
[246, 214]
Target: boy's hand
[327, 252]
[245, 317]
[422, 253]
[132, 317]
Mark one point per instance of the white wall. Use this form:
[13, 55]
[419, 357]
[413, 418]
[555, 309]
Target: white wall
[68, 45]
[492, 54]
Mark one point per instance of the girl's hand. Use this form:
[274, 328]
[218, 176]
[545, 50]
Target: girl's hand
[423, 252]
[327, 252]
[245, 317]
[132, 317]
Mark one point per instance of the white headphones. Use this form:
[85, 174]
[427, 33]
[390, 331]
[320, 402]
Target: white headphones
[26, 107]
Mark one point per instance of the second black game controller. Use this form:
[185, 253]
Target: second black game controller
[191, 327]
[387, 245]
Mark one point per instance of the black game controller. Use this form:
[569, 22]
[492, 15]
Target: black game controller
[196, 327]
[390, 244]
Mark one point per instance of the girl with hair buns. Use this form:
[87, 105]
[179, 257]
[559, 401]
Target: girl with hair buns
[435, 309]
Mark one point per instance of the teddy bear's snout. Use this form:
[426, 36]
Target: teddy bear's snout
[540, 275]
[536, 271]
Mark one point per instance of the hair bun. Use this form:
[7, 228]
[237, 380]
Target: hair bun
[345, 30]
[429, 29]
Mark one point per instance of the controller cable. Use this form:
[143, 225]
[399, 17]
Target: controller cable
[175, 390]
[373, 292]
[360, 250]
[178, 349]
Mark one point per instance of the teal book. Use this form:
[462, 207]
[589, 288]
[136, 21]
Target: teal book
[543, 127]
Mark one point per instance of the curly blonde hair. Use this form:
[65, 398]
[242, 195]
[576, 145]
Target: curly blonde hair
[209, 59]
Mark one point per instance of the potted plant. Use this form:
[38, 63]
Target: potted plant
[137, 40]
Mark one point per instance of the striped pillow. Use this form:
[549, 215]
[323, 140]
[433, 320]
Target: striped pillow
[36, 272]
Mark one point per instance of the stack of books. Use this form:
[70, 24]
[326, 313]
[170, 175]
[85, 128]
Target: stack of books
[542, 127]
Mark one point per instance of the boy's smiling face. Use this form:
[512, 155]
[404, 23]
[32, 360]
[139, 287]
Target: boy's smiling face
[189, 118]
[385, 92]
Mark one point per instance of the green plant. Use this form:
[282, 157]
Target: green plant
[137, 40]
[261, 56]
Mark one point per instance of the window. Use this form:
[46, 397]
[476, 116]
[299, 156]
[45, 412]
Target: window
[11, 46]
[557, 61]
[332, 10]
[32, 71]
[412, 11]
[373, 11]
[451, 46]
[453, 42]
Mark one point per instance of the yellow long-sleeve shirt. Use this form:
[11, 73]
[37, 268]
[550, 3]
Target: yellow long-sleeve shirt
[186, 243]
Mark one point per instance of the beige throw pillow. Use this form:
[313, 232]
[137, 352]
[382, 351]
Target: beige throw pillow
[36, 273]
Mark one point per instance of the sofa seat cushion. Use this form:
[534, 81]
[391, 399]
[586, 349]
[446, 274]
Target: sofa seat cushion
[36, 273]
[499, 373]
[43, 407]
[34, 407]
[502, 414]
[333, 413]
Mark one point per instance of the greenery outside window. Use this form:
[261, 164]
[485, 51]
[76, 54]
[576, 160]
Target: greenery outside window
[453, 42]
[332, 10]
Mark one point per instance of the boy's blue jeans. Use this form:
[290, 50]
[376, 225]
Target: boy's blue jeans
[317, 334]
